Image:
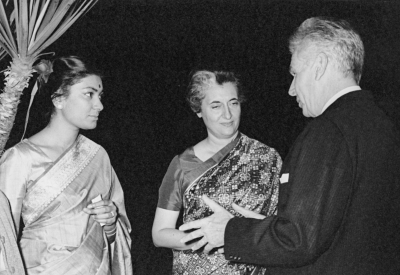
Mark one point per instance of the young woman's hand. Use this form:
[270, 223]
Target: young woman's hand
[105, 212]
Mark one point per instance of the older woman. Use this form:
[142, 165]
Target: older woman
[227, 166]
[63, 186]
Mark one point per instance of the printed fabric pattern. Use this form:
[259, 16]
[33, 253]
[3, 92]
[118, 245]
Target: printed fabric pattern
[248, 175]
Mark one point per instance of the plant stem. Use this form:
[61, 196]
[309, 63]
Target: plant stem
[16, 80]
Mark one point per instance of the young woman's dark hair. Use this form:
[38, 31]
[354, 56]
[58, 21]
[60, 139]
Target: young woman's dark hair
[66, 71]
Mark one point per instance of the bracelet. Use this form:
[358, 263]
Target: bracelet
[111, 232]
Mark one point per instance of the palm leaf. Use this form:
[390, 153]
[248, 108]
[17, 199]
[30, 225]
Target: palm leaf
[49, 14]
[56, 16]
[32, 17]
[3, 53]
[36, 23]
[5, 49]
[44, 41]
[24, 19]
[17, 24]
[31, 26]
[5, 30]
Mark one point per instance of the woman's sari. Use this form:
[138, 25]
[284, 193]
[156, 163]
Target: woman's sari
[58, 237]
[245, 172]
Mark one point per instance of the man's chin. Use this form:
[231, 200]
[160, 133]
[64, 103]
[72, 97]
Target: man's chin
[306, 113]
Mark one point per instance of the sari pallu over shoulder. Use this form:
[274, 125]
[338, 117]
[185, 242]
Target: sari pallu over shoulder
[245, 172]
[47, 187]
[59, 238]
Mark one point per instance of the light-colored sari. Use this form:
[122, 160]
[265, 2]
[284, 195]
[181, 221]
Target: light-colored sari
[58, 237]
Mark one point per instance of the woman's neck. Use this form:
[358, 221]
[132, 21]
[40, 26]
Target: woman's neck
[219, 143]
[57, 135]
[211, 145]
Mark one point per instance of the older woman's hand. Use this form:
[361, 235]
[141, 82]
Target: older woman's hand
[105, 211]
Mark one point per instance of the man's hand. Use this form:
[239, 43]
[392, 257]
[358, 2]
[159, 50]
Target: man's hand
[212, 228]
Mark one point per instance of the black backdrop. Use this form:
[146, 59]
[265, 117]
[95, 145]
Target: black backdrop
[147, 49]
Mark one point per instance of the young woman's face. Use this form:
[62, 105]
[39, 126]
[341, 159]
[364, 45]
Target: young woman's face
[81, 108]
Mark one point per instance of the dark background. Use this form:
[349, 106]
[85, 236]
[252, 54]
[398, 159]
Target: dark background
[147, 50]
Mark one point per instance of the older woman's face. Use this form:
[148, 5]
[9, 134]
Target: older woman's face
[220, 110]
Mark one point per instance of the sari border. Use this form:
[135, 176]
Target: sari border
[216, 158]
[54, 181]
[29, 143]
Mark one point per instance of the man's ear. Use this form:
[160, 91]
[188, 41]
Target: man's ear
[321, 64]
[199, 114]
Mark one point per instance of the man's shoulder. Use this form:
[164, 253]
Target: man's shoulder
[355, 105]
[356, 110]
[355, 119]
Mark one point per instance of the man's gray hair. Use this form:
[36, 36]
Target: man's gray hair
[336, 38]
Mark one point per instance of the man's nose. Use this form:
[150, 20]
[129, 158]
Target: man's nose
[292, 90]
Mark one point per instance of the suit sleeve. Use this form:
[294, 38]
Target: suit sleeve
[311, 204]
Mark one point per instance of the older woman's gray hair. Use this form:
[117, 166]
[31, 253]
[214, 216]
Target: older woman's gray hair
[203, 80]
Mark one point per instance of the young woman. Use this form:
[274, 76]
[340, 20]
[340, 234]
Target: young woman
[63, 186]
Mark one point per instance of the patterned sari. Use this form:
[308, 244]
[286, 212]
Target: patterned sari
[245, 172]
[58, 237]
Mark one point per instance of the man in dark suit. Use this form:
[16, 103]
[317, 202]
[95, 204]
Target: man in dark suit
[10, 259]
[339, 202]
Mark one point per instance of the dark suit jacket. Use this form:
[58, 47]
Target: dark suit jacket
[8, 240]
[339, 211]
